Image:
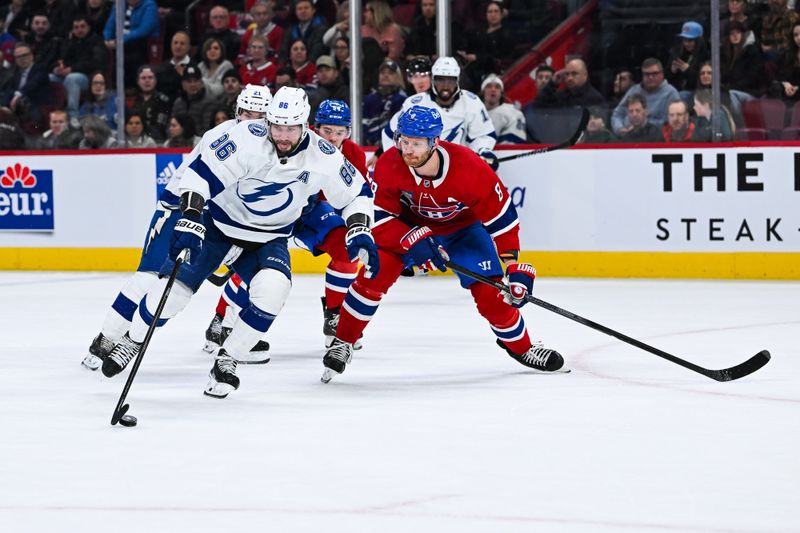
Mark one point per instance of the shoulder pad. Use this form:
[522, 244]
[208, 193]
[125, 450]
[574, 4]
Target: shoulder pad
[326, 147]
[257, 129]
[469, 94]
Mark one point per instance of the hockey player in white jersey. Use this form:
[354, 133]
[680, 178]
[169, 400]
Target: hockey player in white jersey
[509, 122]
[465, 118]
[255, 181]
[251, 104]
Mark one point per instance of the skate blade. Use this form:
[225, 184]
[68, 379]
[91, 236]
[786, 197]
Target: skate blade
[210, 347]
[328, 375]
[254, 358]
[218, 390]
[92, 362]
[562, 370]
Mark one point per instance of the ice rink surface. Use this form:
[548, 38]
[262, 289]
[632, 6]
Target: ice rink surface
[431, 428]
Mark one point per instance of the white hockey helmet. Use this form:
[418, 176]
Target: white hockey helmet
[254, 98]
[289, 107]
[445, 67]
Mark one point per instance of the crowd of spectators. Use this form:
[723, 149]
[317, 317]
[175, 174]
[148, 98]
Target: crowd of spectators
[183, 68]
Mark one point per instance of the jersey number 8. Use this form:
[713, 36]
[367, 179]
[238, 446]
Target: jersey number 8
[223, 149]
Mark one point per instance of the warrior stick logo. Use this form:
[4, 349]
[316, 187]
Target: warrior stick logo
[26, 199]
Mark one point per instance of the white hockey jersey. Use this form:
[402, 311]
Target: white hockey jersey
[466, 122]
[509, 124]
[254, 197]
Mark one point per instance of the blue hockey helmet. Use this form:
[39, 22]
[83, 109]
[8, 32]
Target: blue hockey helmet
[334, 113]
[420, 121]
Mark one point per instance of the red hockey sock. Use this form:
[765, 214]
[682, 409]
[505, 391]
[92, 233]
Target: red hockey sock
[506, 321]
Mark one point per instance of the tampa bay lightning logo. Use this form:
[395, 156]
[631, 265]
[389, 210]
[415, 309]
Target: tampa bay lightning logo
[326, 147]
[257, 129]
[416, 99]
[257, 193]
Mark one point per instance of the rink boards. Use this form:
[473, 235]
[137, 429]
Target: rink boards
[687, 212]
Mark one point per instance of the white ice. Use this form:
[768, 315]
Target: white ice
[431, 428]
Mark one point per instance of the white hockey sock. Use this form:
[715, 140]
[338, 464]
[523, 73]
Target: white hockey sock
[118, 319]
[179, 296]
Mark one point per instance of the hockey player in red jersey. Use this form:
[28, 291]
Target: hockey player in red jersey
[437, 201]
[318, 234]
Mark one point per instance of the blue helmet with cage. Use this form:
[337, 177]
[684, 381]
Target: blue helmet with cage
[420, 121]
[334, 113]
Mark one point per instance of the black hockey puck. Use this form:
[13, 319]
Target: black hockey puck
[128, 421]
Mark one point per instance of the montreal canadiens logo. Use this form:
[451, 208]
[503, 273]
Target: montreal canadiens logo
[326, 147]
[20, 174]
[426, 206]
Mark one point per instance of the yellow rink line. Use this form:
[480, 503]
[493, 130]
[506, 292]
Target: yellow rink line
[557, 264]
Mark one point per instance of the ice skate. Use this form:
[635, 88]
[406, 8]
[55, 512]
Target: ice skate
[539, 358]
[330, 321]
[214, 334]
[98, 351]
[122, 354]
[223, 378]
[336, 358]
[258, 355]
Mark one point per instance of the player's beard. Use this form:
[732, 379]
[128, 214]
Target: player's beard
[279, 147]
[414, 161]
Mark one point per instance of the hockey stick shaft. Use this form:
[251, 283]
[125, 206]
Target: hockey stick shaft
[121, 409]
[726, 374]
[572, 141]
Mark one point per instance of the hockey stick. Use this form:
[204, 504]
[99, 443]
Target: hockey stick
[726, 374]
[219, 279]
[572, 141]
[120, 409]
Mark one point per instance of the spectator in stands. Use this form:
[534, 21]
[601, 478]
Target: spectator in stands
[776, 29]
[195, 100]
[305, 71]
[135, 136]
[577, 90]
[27, 89]
[655, 89]
[623, 81]
[380, 105]
[341, 29]
[685, 59]
[596, 131]
[97, 12]
[422, 37]
[329, 84]
[490, 49]
[182, 132]
[679, 127]
[213, 65]
[96, 134]
[220, 20]
[788, 78]
[639, 130]
[258, 70]
[308, 28]
[418, 75]
[509, 122]
[703, 110]
[262, 13]
[220, 116]
[170, 72]
[141, 23]
[11, 136]
[101, 101]
[380, 25]
[542, 75]
[286, 77]
[341, 53]
[60, 136]
[741, 66]
[81, 55]
[43, 42]
[231, 87]
[737, 12]
[16, 17]
[60, 13]
[152, 105]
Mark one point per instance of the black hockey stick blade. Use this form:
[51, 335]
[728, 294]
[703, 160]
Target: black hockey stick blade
[572, 141]
[725, 374]
[122, 407]
[219, 279]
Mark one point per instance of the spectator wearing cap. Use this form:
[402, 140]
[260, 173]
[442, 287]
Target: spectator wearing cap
[577, 90]
[140, 23]
[258, 70]
[381, 104]
[231, 87]
[655, 89]
[219, 20]
[169, 72]
[195, 101]
[305, 70]
[379, 24]
[152, 105]
[264, 26]
[329, 84]
[509, 122]
[307, 27]
[685, 59]
[776, 29]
